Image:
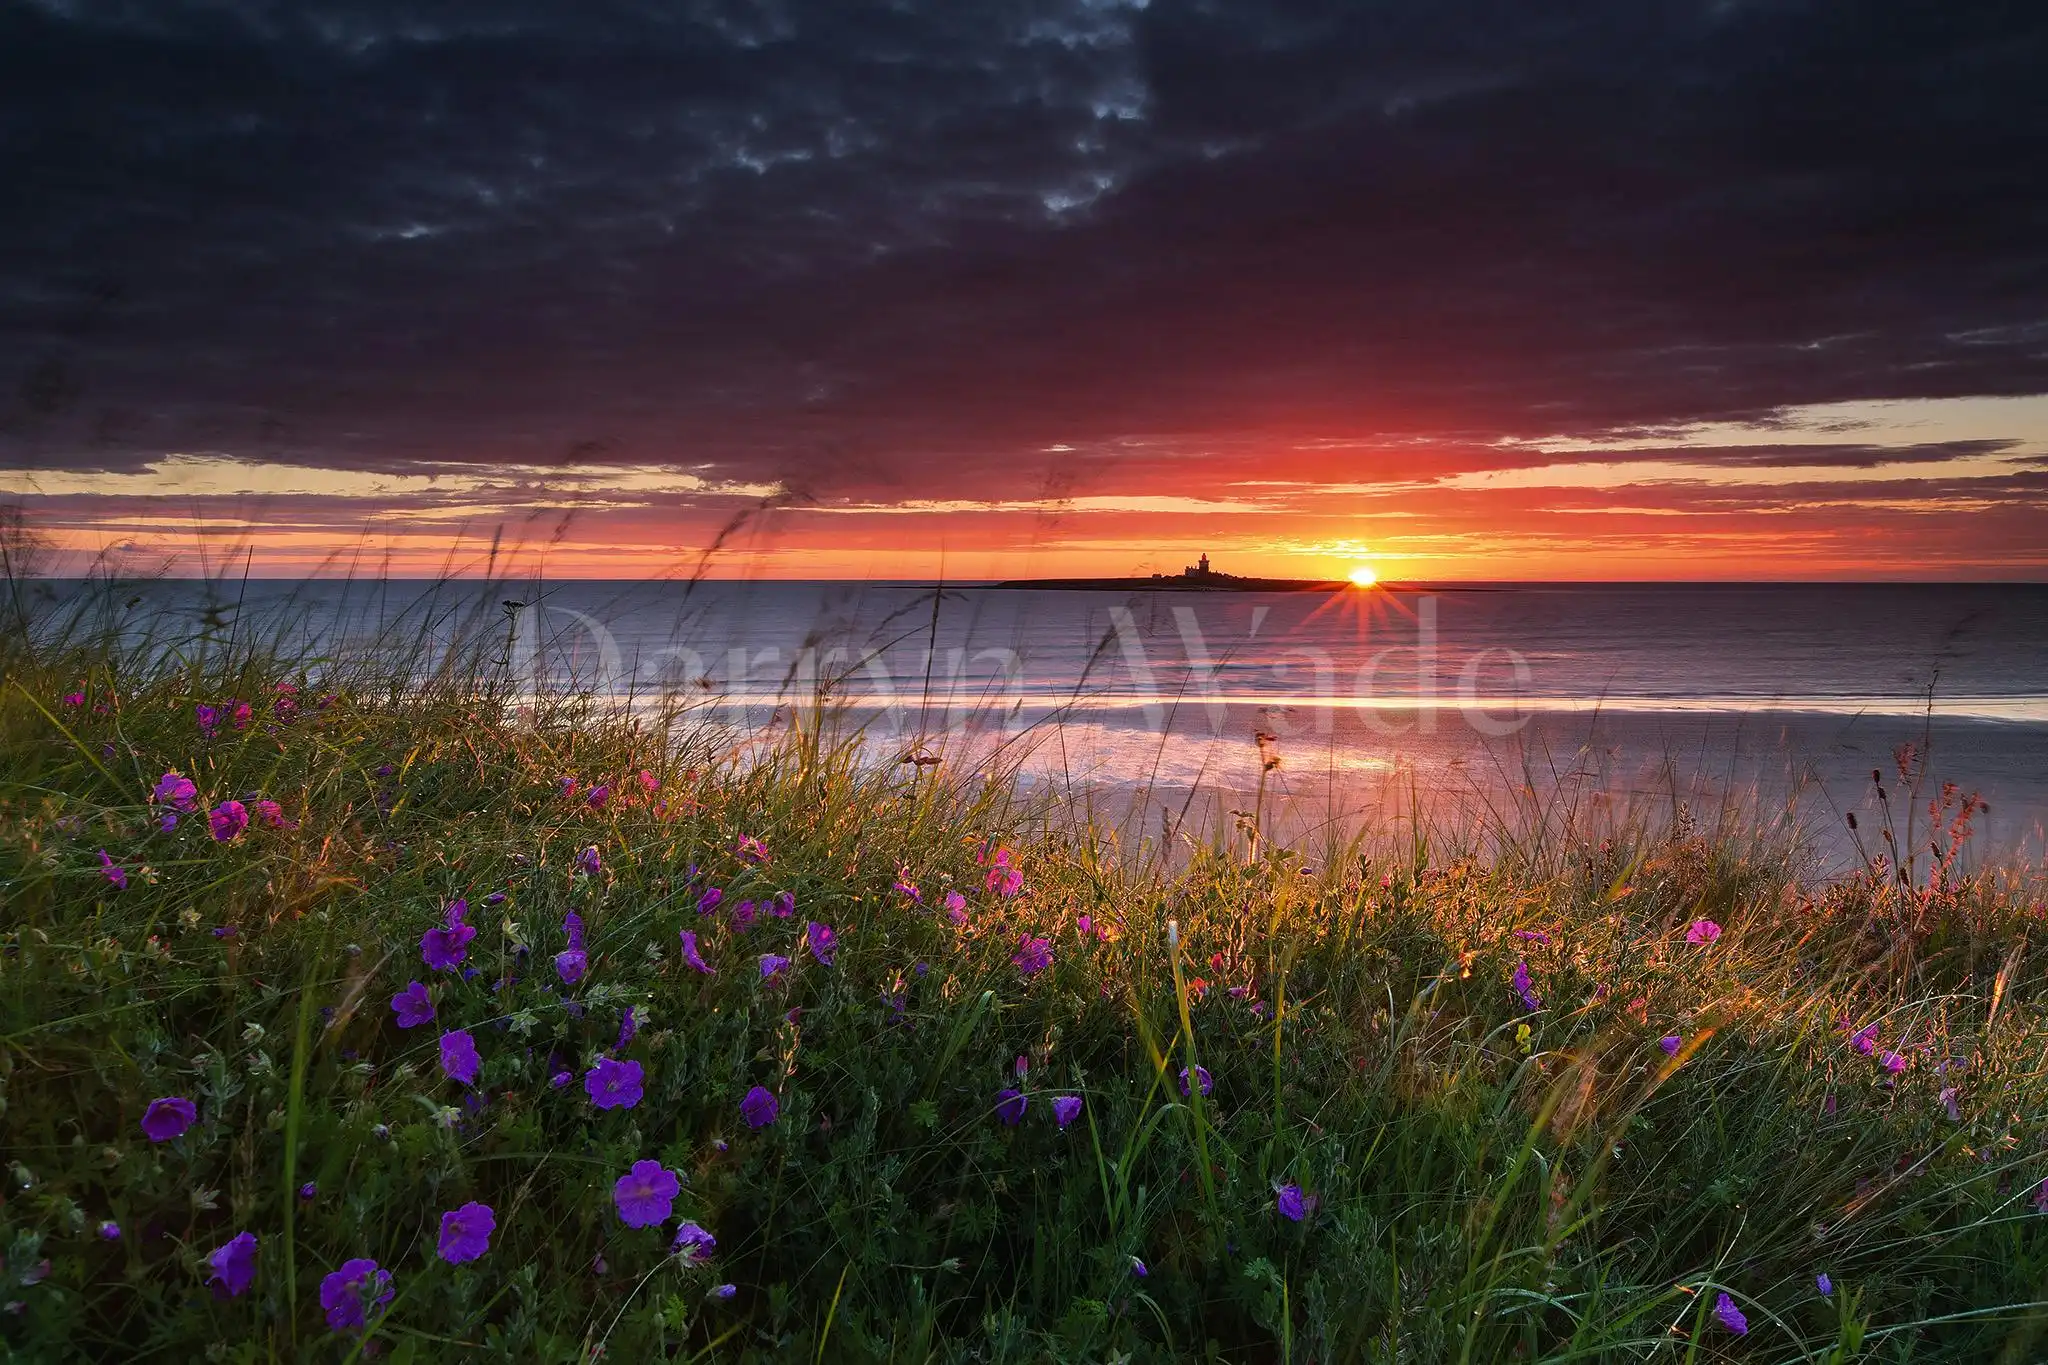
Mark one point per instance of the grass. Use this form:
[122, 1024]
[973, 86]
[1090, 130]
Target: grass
[1487, 1180]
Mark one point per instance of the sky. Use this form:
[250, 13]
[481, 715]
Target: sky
[936, 288]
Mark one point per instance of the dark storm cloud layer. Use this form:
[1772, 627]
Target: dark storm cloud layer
[827, 243]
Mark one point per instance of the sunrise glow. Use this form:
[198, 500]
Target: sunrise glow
[1364, 576]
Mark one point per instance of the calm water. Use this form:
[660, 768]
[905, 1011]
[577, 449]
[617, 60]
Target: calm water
[1627, 691]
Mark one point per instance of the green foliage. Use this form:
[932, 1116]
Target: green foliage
[1489, 1182]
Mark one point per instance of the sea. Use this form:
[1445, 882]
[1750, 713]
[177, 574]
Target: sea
[1394, 709]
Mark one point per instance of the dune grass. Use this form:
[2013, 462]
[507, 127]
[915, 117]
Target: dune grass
[1497, 1097]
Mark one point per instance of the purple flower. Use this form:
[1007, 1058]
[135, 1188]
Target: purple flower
[629, 1028]
[1706, 931]
[907, 888]
[570, 964]
[751, 850]
[588, 861]
[1948, 1103]
[823, 943]
[466, 1232]
[270, 813]
[208, 718]
[1065, 1109]
[240, 712]
[1292, 1204]
[612, 1084]
[598, 796]
[693, 1244]
[1138, 1268]
[1894, 1062]
[1010, 1106]
[1202, 1078]
[956, 907]
[443, 949]
[1671, 1043]
[173, 790]
[708, 902]
[559, 1079]
[350, 1292]
[743, 916]
[1520, 983]
[168, 823]
[691, 956]
[111, 870]
[783, 906]
[771, 963]
[1825, 1285]
[413, 1006]
[2040, 1200]
[228, 820]
[1729, 1316]
[1033, 955]
[724, 1292]
[759, 1108]
[458, 1056]
[309, 1190]
[645, 1194]
[74, 698]
[1864, 1040]
[234, 1265]
[109, 1231]
[1536, 936]
[168, 1117]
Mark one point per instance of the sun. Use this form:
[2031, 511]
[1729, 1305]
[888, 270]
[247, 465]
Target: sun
[1364, 576]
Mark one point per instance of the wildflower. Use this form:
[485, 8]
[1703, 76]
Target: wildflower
[1704, 931]
[751, 850]
[459, 1059]
[350, 1292]
[1865, 1040]
[649, 783]
[168, 823]
[1005, 881]
[1202, 1078]
[784, 905]
[413, 1006]
[1083, 925]
[743, 916]
[723, 1292]
[224, 931]
[823, 943]
[111, 870]
[208, 719]
[693, 1244]
[168, 1117]
[570, 964]
[771, 963]
[109, 1231]
[1010, 1106]
[759, 1108]
[1033, 955]
[270, 813]
[956, 908]
[309, 1190]
[629, 1026]
[1729, 1316]
[1948, 1102]
[233, 1263]
[173, 790]
[2040, 1200]
[228, 820]
[906, 887]
[708, 902]
[559, 1079]
[1292, 1204]
[589, 862]
[466, 1232]
[1825, 1285]
[1536, 936]
[1520, 983]
[239, 713]
[1670, 1043]
[1893, 1062]
[690, 954]
[444, 949]
[1138, 1268]
[74, 698]
[1065, 1109]
[612, 1084]
[597, 796]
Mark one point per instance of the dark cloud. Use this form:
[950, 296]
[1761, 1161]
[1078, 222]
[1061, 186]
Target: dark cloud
[905, 247]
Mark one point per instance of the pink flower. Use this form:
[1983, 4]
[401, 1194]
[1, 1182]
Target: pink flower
[74, 698]
[175, 791]
[649, 783]
[598, 796]
[956, 908]
[111, 870]
[751, 850]
[1702, 931]
[228, 820]
[1033, 955]
[1865, 1040]
[270, 813]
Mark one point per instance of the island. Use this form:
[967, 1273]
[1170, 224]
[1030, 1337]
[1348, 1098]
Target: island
[1196, 577]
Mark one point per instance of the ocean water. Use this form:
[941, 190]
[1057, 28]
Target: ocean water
[1612, 695]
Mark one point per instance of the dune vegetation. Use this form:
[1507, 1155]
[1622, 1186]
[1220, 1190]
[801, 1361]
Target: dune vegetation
[355, 1009]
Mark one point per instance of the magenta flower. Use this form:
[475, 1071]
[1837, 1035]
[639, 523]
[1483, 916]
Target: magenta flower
[208, 718]
[645, 1194]
[771, 963]
[759, 1108]
[228, 820]
[1292, 1204]
[351, 1293]
[1704, 931]
[111, 870]
[708, 902]
[1202, 1078]
[1729, 1316]
[598, 796]
[168, 1117]
[751, 850]
[1065, 1109]
[693, 1244]
[589, 862]
[1535, 936]
[466, 1232]
[613, 1084]
[168, 823]
[239, 713]
[1671, 1043]
[823, 943]
[270, 813]
[1010, 1106]
[173, 790]
[1033, 955]
[458, 1056]
[649, 783]
[1893, 1062]
[784, 905]
[691, 956]
[74, 698]
[413, 1006]
[1520, 983]
[956, 908]
[1864, 1041]
[443, 949]
[907, 888]
[233, 1263]
[743, 916]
